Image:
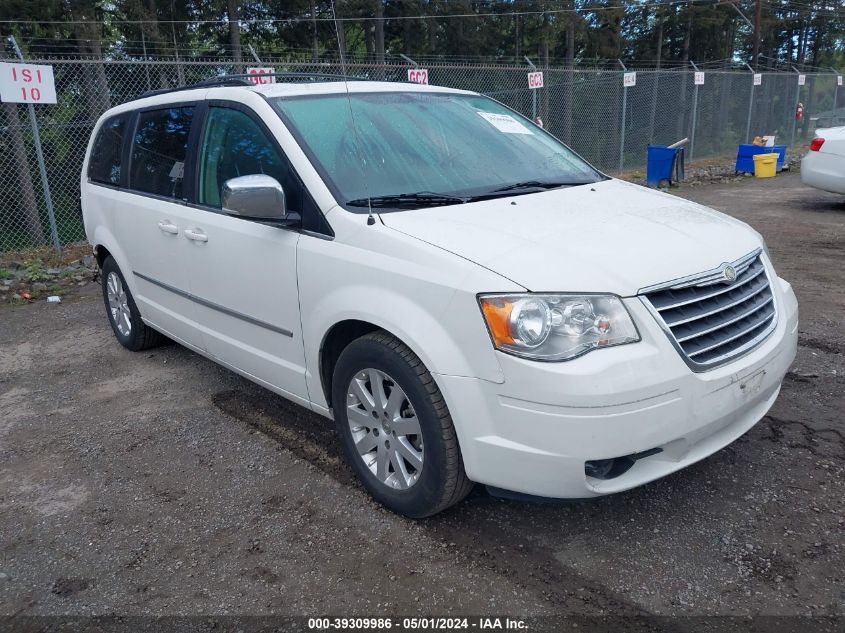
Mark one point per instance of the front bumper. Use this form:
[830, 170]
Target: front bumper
[534, 433]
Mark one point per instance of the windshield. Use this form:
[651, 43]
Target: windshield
[427, 148]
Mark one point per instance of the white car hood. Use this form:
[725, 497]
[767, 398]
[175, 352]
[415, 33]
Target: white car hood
[611, 236]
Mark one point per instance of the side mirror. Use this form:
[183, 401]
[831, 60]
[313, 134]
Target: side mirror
[257, 197]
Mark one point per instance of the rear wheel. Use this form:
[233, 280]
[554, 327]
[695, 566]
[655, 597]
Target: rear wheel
[395, 427]
[123, 314]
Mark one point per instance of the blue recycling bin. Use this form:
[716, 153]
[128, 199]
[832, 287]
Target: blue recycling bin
[660, 164]
[746, 152]
[781, 151]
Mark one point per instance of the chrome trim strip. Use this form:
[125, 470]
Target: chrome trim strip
[716, 362]
[733, 286]
[742, 316]
[214, 306]
[691, 280]
[744, 349]
[728, 306]
[733, 337]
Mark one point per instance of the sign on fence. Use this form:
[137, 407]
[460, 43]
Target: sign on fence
[261, 76]
[629, 79]
[535, 80]
[27, 83]
[802, 79]
[839, 80]
[699, 78]
[758, 79]
[418, 76]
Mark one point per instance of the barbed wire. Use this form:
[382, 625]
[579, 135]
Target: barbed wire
[359, 18]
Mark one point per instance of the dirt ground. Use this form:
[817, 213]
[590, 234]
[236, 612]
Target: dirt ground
[160, 483]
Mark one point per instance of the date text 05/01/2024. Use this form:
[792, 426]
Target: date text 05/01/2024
[417, 623]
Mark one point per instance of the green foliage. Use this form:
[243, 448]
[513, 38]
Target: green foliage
[34, 270]
[793, 31]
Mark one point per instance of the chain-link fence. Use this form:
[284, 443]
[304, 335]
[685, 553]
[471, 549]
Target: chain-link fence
[588, 108]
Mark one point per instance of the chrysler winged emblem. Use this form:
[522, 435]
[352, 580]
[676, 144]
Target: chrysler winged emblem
[729, 273]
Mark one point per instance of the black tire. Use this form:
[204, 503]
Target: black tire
[442, 480]
[140, 335]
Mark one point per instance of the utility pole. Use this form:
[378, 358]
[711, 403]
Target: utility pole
[758, 11]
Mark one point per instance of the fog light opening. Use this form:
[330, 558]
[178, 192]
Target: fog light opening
[616, 466]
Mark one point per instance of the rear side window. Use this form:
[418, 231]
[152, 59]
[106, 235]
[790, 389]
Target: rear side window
[158, 151]
[104, 164]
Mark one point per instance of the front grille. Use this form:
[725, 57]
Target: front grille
[712, 320]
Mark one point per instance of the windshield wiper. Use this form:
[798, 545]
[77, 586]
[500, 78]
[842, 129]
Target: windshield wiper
[420, 198]
[537, 184]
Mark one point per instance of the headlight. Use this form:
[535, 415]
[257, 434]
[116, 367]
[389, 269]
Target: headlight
[556, 327]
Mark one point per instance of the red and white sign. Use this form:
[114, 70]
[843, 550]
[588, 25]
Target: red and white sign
[699, 78]
[27, 83]
[758, 79]
[839, 80]
[261, 76]
[629, 80]
[418, 76]
[535, 80]
[802, 79]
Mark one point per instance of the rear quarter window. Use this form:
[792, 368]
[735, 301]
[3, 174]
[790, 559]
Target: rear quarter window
[158, 154]
[104, 165]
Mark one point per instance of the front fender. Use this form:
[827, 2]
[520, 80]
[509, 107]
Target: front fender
[448, 336]
[421, 294]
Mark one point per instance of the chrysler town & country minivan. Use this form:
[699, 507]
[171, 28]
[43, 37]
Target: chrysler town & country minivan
[467, 299]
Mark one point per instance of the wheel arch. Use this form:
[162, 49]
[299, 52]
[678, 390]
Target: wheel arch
[335, 340]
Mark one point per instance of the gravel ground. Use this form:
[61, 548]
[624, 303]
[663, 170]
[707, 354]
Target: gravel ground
[160, 483]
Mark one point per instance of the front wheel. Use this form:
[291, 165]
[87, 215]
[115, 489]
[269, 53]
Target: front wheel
[396, 430]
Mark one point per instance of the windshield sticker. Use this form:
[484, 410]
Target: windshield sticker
[504, 123]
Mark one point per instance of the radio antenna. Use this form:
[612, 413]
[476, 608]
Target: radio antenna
[370, 219]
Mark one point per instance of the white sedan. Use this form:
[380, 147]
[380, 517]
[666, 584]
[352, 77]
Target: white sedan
[824, 165]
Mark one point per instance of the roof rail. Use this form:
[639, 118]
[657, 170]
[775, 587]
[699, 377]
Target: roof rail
[245, 80]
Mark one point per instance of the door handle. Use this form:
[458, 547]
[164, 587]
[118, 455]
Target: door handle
[168, 227]
[195, 234]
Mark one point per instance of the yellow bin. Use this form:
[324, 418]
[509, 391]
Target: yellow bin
[765, 165]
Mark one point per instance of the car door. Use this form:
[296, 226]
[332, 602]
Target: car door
[243, 272]
[151, 214]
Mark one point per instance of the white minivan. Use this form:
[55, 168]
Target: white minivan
[467, 298]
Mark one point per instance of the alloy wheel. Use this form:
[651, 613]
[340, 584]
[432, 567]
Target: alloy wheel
[385, 428]
[118, 304]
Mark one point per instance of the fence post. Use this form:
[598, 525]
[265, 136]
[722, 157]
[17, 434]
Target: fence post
[797, 101]
[146, 59]
[750, 104]
[42, 168]
[622, 122]
[694, 112]
[533, 92]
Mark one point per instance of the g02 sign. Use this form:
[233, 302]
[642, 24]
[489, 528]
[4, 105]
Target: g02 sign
[535, 80]
[629, 79]
[27, 83]
[418, 76]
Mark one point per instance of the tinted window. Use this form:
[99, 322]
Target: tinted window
[158, 151]
[104, 165]
[234, 145]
